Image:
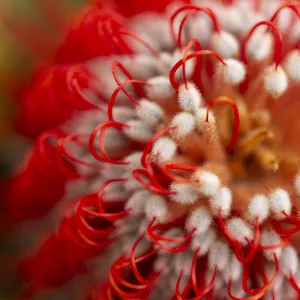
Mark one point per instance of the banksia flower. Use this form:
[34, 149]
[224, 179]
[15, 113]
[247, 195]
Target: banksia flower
[177, 151]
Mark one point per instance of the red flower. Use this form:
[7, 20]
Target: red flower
[183, 162]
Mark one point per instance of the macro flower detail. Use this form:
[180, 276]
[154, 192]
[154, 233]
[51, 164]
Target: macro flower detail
[178, 154]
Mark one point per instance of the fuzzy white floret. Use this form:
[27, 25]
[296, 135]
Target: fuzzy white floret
[159, 89]
[183, 262]
[131, 184]
[240, 230]
[275, 81]
[123, 114]
[189, 99]
[259, 45]
[219, 282]
[184, 124]
[203, 241]
[292, 65]
[156, 207]
[258, 208]
[185, 193]
[203, 35]
[218, 255]
[208, 183]
[225, 44]
[297, 184]
[269, 237]
[114, 141]
[143, 66]
[164, 149]
[112, 171]
[289, 261]
[222, 201]
[166, 63]
[114, 191]
[270, 271]
[233, 270]
[280, 202]
[149, 112]
[234, 72]
[133, 160]
[162, 264]
[138, 131]
[200, 219]
[136, 203]
[200, 116]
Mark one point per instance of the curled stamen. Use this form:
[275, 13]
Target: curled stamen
[104, 157]
[291, 6]
[115, 94]
[206, 10]
[261, 291]
[134, 267]
[294, 284]
[236, 128]
[190, 56]
[278, 42]
[62, 150]
[196, 43]
[153, 185]
[153, 51]
[108, 216]
[156, 238]
[177, 167]
[137, 89]
[199, 293]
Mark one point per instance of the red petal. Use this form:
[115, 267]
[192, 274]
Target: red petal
[130, 8]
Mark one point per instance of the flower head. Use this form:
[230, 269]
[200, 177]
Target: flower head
[181, 158]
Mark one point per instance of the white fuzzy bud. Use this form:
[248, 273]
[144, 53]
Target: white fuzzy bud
[269, 237]
[280, 202]
[259, 45]
[183, 262]
[134, 161]
[138, 131]
[201, 118]
[199, 219]
[136, 203]
[163, 150]
[292, 65]
[258, 208]
[207, 183]
[234, 72]
[185, 193]
[123, 114]
[289, 261]
[233, 270]
[131, 184]
[297, 184]
[143, 66]
[159, 89]
[275, 81]
[184, 124]
[218, 255]
[203, 242]
[149, 112]
[189, 99]
[240, 230]
[225, 44]
[156, 207]
[221, 201]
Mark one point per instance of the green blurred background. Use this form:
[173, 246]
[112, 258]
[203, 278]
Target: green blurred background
[16, 65]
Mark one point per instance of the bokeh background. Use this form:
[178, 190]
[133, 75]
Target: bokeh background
[16, 64]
